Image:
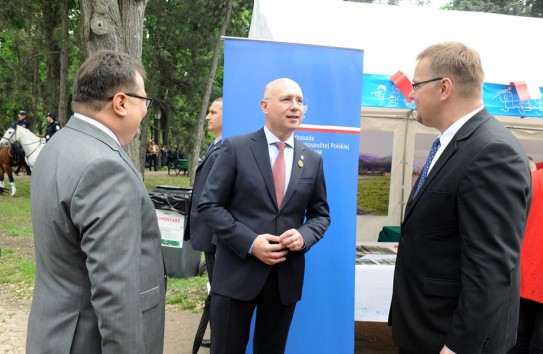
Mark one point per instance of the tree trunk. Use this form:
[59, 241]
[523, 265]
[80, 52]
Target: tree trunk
[50, 88]
[116, 25]
[205, 103]
[35, 95]
[62, 110]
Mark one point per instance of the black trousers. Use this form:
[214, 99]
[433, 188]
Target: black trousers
[231, 322]
[530, 328]
[403, 351]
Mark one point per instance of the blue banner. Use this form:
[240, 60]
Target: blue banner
[330, 81]
[501, 100]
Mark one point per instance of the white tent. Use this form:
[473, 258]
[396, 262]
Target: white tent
[391, 37]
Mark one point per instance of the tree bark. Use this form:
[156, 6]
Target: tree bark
[65, 46]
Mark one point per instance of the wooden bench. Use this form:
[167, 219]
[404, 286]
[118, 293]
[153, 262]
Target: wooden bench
[182, 166]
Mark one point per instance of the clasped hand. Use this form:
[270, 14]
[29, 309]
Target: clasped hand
[272, 249]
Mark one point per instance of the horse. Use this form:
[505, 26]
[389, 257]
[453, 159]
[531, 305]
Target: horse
[31, 143]
[5, 166]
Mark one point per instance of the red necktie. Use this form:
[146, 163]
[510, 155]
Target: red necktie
[279, 171]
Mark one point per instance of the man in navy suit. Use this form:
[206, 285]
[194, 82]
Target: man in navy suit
[456, 281]
[198, 232]
[262, 236]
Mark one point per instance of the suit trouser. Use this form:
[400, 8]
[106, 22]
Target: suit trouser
[530, 328]
[403, 351]
[232, 321]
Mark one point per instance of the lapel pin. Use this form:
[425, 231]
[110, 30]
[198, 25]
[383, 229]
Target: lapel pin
[300, 163]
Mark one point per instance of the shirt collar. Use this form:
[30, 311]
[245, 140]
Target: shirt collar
[98, 125]
[272, 139]
[448, 134]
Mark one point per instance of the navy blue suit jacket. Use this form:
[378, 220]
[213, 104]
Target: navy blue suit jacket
[238, 204]
[199, 234]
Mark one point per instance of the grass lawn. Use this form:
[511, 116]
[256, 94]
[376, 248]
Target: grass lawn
[17, 269]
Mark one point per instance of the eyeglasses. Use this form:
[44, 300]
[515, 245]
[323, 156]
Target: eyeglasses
[148, 100]
[417, 84]
[299, 101]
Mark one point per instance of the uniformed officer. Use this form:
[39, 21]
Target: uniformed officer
[22, 120]
[17, 151]
[52, 126]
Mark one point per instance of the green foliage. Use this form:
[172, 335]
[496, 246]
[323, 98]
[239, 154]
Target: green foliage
[17, 268]
[373, 195]
[529, 8]
[180, 39]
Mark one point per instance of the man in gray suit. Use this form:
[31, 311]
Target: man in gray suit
[100, 284]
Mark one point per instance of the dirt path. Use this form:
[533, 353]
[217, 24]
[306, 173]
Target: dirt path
[179, 333]
[370, 337]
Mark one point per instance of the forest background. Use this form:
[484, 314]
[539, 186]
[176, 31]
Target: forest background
[43, 42]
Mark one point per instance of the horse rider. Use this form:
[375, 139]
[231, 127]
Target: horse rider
[52, 125]
[17, 153]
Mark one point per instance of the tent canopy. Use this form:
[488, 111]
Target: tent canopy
[392, 36]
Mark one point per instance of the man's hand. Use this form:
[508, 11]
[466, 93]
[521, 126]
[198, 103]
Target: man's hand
[446, 350]
[269, 250]
[292, 240]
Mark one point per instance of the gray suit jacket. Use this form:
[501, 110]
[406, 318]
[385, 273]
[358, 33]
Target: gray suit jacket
[100, 282]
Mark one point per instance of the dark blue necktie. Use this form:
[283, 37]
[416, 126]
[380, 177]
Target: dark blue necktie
[211, 146]
[424, 173]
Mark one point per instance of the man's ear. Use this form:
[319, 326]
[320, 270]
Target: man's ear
[118, 104]
[446, 88]
[264, 106]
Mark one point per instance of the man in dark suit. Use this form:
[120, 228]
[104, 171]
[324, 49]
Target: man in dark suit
[263, 226]
[456, 282]
[196, 231]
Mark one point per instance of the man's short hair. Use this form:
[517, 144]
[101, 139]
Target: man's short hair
[458, 62]
[104, 74]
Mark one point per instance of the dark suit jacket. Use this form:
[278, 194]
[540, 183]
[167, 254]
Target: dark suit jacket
[239, 203]
[456, 281]
[196, 230]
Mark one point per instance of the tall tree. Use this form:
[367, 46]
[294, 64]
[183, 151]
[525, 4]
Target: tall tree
[207, 94]
[529, 8]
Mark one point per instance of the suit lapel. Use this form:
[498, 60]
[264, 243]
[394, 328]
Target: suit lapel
[467, 129]
[260, 150]
[215, 147]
